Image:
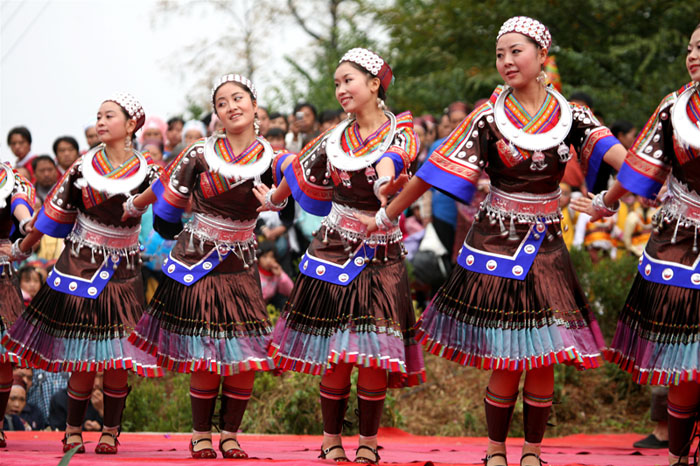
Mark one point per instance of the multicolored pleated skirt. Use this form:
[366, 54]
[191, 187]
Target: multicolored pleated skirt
[658, 331]
[367, 323]
[11, 307]
[496, 323]
[59, 332]
[218, 324]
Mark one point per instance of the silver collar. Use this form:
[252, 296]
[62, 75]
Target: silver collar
[112, 186]
[233, 170]
[533, 142]
[347, 162]
[686, 132]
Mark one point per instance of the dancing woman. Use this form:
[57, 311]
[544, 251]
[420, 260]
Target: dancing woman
[208, 317]
[351, 305]
[514, 304]
[16, 209]
[659, 326]
[80, 319]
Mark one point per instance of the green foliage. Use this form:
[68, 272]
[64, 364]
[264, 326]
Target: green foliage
[606, 285]
[627, 54]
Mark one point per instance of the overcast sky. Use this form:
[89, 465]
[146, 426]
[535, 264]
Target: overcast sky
[62, 58]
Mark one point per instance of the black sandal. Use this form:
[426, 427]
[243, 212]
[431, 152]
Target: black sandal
[532, 454]
[488, 458]
[325, 451]
[364, 460]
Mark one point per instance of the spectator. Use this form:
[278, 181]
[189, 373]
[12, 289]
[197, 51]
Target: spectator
[276, 285]
[173, 136]
[66, 151]
[29, 412]
[277, 120]
[304, 127]
[263, 120]
[155, 150]
[45, 174]
[20, 141]
[329, 118]
[275, 136]
[625, 132]
[30, 281]
[58, 410]
[154, 130]
[44, 386]
[91, 136]
[18, 398]
[193, 130]
[444, 127]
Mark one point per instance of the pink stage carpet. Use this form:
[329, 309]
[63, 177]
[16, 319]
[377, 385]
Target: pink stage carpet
[399, 448]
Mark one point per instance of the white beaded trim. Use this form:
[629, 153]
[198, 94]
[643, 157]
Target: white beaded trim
[528, 27]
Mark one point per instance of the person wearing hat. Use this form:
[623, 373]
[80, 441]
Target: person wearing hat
[514, 304]
[208, 317]
[351, 305]
[80, 319]
[17, 198]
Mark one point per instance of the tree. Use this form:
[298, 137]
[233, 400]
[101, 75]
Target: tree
[627, 54]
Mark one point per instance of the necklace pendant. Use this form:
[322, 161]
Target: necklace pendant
[344, 178]
[538, 163]
[371, 174]
[564, 153]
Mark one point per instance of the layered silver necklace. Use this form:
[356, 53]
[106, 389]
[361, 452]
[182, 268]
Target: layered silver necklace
[686, 132]
[536, 143]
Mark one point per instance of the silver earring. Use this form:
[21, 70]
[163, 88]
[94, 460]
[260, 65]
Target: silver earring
[542, 78]
[127, 142]
[256, 125]
[381, 104]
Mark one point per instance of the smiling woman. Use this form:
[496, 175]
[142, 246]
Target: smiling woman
[80, 319]
[208, 317]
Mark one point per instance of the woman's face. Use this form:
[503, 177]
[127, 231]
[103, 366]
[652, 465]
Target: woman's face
[112, 125]
[264, 120]
[352, 88]
[518, 60]
[153, 148]
[192, 135]
[692, 60]
[235, 108]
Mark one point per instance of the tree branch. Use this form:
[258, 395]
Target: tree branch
[302, 23]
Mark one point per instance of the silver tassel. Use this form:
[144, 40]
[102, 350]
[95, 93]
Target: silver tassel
[92, 257]
[675, 231]
[695, 240]
[190, 244]
[512, 234]
[504, 232]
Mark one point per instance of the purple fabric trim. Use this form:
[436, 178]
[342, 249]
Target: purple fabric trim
[596, 158]
[637, 183]
[456, 186]
[162, 208]
[50, 227]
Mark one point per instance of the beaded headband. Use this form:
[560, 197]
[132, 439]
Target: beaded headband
[233, 78]
[371, 62]
[132, 107]
[528, 27]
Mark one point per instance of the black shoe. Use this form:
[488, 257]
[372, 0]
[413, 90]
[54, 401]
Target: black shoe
[651, 442]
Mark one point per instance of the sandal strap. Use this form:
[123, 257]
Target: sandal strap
[195, 442]
[488, 458]
[325, 451]
[535, 455]
[230, 439]
[373, 450]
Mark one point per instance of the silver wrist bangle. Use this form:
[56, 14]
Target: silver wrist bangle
[16, 253]
[130, 209]
[23, 225]
[382, 220]
[381, 181]
[600, 207]
[269, 205]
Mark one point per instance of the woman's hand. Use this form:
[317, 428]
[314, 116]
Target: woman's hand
[584, 205]
[391, 187]
[260, 192]
[368, 221]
